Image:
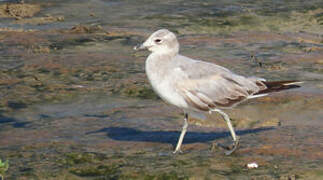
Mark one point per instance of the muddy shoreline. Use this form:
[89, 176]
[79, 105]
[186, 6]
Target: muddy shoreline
[76, 104]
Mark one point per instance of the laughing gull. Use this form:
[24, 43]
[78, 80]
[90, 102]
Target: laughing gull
[197, 86]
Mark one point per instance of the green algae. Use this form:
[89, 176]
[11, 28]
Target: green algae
[144, 92]
[293, 21]
[166, 176]
[147, 166]
[74, 158]
[109, 172]
[4, 166]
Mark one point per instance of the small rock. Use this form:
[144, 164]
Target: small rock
[252, 165]
[60, 18]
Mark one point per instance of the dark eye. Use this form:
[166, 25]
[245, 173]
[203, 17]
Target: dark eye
[157, 40]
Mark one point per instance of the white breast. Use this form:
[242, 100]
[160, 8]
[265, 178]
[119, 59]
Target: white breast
[163, 85]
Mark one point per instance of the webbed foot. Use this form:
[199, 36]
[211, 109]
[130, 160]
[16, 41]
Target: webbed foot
[229, 149]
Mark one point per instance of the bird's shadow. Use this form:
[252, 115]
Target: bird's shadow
[131, 134]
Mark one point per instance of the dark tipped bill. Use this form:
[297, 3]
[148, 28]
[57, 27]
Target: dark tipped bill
[139, 47]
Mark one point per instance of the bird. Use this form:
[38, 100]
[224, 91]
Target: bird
[197, 86]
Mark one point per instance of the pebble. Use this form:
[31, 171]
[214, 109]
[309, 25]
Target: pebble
[252, 165]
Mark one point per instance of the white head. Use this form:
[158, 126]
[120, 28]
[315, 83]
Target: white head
[161, 42]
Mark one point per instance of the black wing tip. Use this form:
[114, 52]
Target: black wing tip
[276, 86]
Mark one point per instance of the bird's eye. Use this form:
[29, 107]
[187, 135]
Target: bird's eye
[157, 40]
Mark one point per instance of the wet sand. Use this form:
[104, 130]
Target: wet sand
[76, 104]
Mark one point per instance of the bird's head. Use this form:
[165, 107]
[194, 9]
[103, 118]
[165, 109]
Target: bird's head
[161, 41]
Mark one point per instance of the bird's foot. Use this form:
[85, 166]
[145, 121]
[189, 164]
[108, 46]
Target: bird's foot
[229, 149]
[233, 147]
[177, 151]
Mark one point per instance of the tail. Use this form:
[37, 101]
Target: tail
[275, 86]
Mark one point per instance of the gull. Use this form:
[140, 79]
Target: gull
[197, 86]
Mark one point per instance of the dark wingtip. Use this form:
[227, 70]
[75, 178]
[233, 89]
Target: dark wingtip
[275, 86]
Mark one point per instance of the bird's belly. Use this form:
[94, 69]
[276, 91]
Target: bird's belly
[169, 94]
[161, 79]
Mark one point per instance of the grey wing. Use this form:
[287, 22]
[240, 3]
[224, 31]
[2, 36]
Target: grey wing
[210, 86]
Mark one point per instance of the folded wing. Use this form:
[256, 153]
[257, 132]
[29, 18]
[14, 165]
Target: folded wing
[211, 86]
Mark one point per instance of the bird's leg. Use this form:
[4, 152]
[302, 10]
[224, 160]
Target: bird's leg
[180, 140]
[235, 138]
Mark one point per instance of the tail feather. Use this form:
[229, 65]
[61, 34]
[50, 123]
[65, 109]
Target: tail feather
[275, 86]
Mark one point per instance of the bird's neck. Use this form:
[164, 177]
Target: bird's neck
[166, 52]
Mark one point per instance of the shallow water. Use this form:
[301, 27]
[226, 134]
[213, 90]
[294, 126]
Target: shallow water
[76, 104]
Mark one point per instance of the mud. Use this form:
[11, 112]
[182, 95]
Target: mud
[75, 102]
[19, 10]
[40, 20]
